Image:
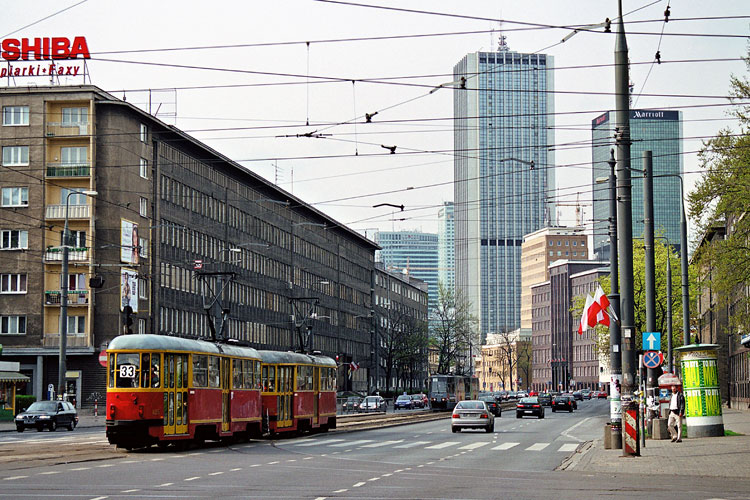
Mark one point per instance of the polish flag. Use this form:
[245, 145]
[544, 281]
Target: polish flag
[602, 304]
[585, 315]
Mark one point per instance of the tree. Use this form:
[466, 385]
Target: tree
[515, 353]
[722, 197]
[454, 332]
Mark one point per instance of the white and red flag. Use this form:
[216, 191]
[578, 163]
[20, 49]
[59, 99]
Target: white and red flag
[586, 315]
[602, 304]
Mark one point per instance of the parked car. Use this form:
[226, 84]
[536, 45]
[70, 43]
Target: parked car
[586, 393]
[563, 403]
[47, 414]
[492, 404]
[372, 403]
[545, 399]
[529, 406]
[351, 403]
[418, 400]
[578, 395]
[472, 415]
[533, 393]
[403, 402]
[602, 395]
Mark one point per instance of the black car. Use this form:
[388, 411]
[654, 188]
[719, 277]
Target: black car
[529, 406]
[351, 403]
[572, 399]
[545, 399]
[47, 414]
[562, 403]
[578, 395]
[492, 404]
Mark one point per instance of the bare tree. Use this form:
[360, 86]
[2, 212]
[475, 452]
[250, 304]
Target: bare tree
[454, 331]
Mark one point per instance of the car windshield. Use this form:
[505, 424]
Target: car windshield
[488, 399]
[529, 400]
[470, 405]
[353, 399]
[371, 399]
[43, 406]
[404, 398]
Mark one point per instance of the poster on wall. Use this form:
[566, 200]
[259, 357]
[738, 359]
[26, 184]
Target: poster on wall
[128, 289]
[128, 242]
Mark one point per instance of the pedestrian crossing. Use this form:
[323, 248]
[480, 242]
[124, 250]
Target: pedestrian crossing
[431, 445]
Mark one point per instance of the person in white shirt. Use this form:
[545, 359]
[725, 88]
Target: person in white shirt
[676, 412]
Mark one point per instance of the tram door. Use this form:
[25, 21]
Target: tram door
[226, 384]
[175, 393]
[316, 397]
[286, 386]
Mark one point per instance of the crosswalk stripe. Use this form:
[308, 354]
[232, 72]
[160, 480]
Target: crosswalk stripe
[505, 446]
[351, 443]
[412, 444]
[383, 443]
[440, 446]
[568, 447]
[473, 446]
[314, 442]
[537, 447]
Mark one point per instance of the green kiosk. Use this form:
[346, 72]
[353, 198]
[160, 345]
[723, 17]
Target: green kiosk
[700, 383]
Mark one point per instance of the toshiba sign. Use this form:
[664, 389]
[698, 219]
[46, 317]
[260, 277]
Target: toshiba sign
[52, 48]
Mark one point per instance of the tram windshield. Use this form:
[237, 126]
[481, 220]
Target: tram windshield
[133, 370]
[127, 370]
[437, 384]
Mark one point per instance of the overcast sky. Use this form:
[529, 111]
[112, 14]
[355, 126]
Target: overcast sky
[241, 100]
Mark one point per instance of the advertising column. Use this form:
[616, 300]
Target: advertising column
[700, 382]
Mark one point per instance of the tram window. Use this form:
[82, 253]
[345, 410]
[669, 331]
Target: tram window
[128, 368]
[271, 381]
[214, 374]
[257, 375]
[111, 370]
[155, 362]
[237, 375]
[200, 371]
[302, 378]
[179, 371]
[264, 378]
[333, 379]
[145, 378]
[248, 374]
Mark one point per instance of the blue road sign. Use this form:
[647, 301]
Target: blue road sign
[651, 341]
[651, 359]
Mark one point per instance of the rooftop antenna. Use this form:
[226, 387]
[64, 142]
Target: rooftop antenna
[502, 43]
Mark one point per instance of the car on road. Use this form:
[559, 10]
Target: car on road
[572, 399]
[492, 404]
[602, 395]
[533, 393]
[562, 403]
[545, 399]
[419, 400]
[512, 395]
[586, 393]
[351, 403]
[578, 395]
[529, 406]
[472, 415]
[522, 394]
[373, 404]
[501, 395]
[47, 415]
[403, 402]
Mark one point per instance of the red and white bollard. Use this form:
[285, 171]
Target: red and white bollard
[630, 429]
[96, 408]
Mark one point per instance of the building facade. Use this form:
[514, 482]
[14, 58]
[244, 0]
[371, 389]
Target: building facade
[503, 109]
[166, 223]
[446, 246]
[590, 353]
[541, 337]
[650, 130]
[504, 362]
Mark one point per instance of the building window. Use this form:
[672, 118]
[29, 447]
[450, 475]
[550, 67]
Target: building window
[12, 283]
[141, 326]
[551, 243]
[14, 116]
[143, 247]
[567, 243]
[75, 155]
[15, 197]
[76, 282]
[76, 325]
[559, 242]
[142, 288]
[144, 132]
[559, 253]
[14, 240]
[144, 168]
[75, 198]
[575, 254]
[583, 243]
[15, 156]
[75, 116]
[575, 243]
[12, 325]
[77, 239]
[551, 253]
[144, 207]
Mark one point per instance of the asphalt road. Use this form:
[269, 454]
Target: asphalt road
[422, 460]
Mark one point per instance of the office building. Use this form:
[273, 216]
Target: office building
[446, 246]
[504, 172]
[650, 130]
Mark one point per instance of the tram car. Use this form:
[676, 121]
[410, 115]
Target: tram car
[447, 390]
[163, 390]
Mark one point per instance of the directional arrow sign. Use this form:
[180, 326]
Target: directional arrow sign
[651, 341]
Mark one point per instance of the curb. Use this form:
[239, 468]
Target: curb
[574, 458]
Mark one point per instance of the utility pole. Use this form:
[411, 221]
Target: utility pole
[625, 217]
[615, 363]
[648, 244]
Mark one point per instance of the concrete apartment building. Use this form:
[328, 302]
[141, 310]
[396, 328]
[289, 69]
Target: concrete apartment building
[167, 210]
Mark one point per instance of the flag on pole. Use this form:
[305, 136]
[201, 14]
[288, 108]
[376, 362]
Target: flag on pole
[585, 321]
[353, 367]
[602, 304]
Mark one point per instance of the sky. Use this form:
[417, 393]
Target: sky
[247, 78]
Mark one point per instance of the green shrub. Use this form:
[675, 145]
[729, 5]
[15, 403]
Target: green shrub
[23, 401]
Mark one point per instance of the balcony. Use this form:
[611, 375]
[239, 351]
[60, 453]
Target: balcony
[74, 212]
[75, 298]
[54, 254]
[80, 169]
[74, 340]
[56, 129]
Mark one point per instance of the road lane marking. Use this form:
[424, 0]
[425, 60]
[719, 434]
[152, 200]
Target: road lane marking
[273, 463]
[357, 485]
[351, 443]
[81, 468]
[192, 478]
[292, 460]
[164, 485]
[373, 479]
[566, 431]
[215, 473]
[387, 475]
[308, 458]
[104, 466]
[129, 491]
[384, 443]
[537, 447]
[412, 444]
[100, 498]
[569, 447]
[473, 446]
[344, 490]
[235, 469]
[11, 478]
[440, 446]
[255, 465]
[50, 472]
[505, 446]
[316, 442]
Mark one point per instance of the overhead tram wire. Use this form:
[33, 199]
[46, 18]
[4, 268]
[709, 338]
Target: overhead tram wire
[657, 57]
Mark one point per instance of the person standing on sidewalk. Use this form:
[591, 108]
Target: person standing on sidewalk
[676, 412]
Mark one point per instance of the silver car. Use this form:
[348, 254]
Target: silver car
[472, 415]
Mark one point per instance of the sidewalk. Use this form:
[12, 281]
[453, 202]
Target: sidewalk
[85, 419]
[715, 456]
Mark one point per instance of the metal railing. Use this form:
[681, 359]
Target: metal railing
[75, 297]
[57, 129]
[81, 169]
[74, 255]
[74, 211]
[74, 340]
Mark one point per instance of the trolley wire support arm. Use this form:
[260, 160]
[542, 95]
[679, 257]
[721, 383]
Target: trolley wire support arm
[208, 304]
[304, 307]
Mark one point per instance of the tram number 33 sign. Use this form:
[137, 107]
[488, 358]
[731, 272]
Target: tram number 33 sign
[127, 371]
[652, 359]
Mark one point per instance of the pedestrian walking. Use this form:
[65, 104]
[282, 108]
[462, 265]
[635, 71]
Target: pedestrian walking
[676, 412]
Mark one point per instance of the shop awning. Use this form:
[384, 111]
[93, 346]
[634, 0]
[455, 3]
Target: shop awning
[13, 377]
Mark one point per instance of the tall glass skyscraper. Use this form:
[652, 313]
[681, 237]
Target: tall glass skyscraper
[412, 250]
[503, 168]
[650, 130]
[446, 246]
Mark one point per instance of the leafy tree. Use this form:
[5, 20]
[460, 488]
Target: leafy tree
[722, 197]
[454, 332]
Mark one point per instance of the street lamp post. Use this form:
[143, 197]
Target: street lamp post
[62, 364]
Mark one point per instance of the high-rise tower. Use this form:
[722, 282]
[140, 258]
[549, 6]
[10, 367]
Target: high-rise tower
[446, 246]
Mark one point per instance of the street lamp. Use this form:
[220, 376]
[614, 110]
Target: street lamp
[62, 364]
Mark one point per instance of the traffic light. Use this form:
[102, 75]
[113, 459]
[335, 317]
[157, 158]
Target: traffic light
[128, 326]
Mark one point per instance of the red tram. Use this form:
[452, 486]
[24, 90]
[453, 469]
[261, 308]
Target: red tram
[166, 389]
